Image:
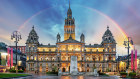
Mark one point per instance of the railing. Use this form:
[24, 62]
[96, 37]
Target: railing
[85, 51]
[77, 61]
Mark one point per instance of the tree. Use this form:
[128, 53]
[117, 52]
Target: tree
[54, 68]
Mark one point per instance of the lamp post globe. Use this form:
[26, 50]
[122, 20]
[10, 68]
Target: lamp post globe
[16, 36]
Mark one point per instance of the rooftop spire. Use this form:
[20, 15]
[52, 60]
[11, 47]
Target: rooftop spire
[107, 27]
[69, 3]
[69, 12]
[33, 27]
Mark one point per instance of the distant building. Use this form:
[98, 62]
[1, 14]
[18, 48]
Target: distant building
[122, 62]
[3, 57]
[21, 58]
[21, 48]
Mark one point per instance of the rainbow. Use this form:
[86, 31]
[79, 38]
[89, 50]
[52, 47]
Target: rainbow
[102, 14]
[36, 14]
[110, 19]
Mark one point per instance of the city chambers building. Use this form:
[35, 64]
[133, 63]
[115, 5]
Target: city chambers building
[45, 58]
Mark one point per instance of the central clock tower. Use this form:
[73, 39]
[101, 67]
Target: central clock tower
[69, 27]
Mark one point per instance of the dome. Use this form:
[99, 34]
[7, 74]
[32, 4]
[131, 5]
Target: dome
[33, 37]
[107, 32]
[108, 37]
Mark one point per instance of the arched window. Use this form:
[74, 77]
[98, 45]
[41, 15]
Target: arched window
[58, 58]
[31, 57]
[99, 58]
[110, 57]
[110, 49]
[82, 58]
[109, 38]
[87, 65]
[69, 22]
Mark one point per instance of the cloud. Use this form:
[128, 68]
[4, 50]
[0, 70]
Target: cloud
[51, 21]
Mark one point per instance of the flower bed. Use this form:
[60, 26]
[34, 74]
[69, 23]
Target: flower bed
[132, 74]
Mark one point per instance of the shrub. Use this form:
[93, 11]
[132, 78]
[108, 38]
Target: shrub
[103, 74]
[51, 72]
[14, 71]
[123, 73]
[131, 74]
[20, 71]
[11, 70]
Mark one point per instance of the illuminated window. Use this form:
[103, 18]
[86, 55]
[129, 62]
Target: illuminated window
[53, 58]
[114, 49]
[110, 50]
[35, 58]
[19, 63]
[114, 58]
[106, 49]
[27, 58]
[106, 58]
[31, 57]
[47, 58]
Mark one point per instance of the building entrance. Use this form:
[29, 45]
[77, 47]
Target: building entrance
[63, 69]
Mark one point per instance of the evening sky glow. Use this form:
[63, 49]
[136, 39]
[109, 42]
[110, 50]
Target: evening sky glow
[91, 18]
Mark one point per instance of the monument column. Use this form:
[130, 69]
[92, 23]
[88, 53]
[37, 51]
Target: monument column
[73, 65]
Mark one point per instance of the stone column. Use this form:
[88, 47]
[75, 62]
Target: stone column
[66, 48]
[103, 63]
[44, 67]
[27, 66]
[43, 57]
[37, 63]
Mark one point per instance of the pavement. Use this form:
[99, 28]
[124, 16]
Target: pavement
[67, 77]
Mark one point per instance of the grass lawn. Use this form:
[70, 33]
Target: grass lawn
[8, 75]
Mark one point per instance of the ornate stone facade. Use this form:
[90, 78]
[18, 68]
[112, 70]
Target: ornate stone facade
[44, 58]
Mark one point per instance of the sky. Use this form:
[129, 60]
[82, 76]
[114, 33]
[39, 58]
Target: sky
[91, 18]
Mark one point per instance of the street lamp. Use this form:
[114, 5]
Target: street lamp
[127, 43]
[17, 36]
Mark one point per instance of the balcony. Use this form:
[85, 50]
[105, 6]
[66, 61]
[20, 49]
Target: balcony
[47, 51]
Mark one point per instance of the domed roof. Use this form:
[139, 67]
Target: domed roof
[107, 32]
[108, 37]
[33, 32]
[33, 37]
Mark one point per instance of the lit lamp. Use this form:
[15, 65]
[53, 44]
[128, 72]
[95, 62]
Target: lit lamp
[17, 36]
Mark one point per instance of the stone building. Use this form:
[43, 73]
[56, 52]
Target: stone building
[44, 58]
